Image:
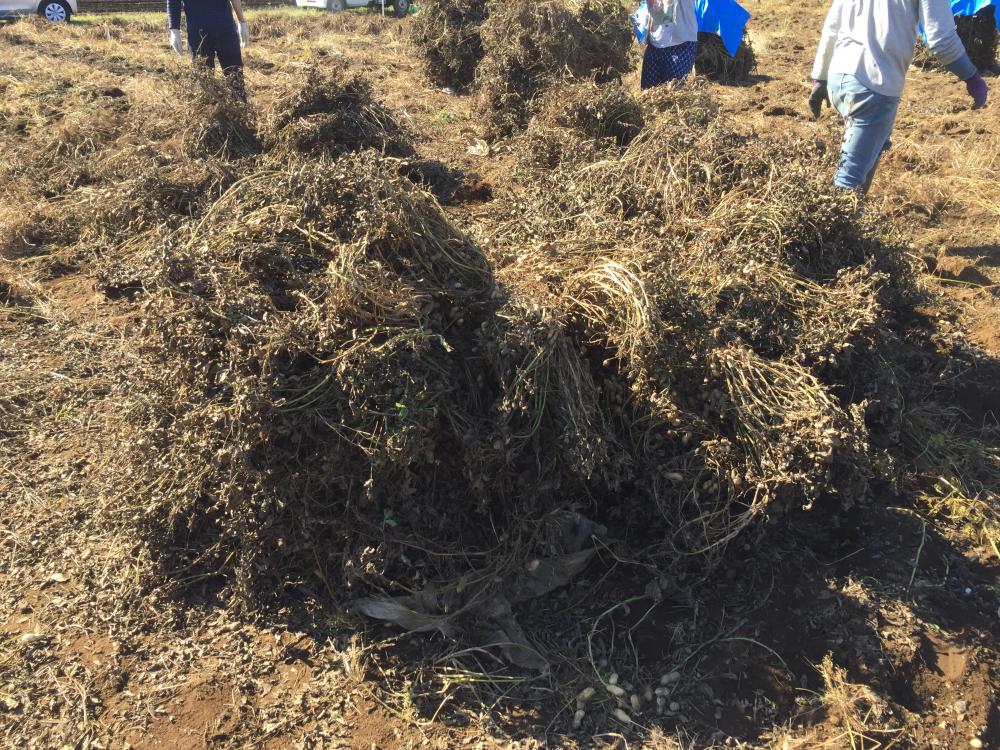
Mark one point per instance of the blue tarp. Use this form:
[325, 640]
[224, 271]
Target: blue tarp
[726, 18]
[640, 19]
[971, 7]
[968, 8]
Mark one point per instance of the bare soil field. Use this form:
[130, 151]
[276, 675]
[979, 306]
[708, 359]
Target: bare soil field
[343, 422]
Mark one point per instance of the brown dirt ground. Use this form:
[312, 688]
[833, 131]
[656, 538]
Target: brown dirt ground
[907, 609]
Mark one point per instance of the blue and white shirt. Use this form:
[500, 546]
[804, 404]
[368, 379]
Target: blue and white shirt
[672, 22]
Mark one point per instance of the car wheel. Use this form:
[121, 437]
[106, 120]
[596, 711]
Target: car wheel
[335, 6]
[402, 7]
[55, 10]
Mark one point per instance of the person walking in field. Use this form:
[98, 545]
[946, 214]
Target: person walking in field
[212, 34]
[860, 69]
[671, 41]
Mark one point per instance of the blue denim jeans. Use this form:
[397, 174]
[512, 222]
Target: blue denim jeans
[869, 118]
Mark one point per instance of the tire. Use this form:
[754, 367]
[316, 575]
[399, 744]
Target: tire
[336, 6]
[55, 10]
[401, 8]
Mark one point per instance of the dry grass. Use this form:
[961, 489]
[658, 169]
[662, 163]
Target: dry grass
[332, 113]
[960, 468]
[322, 299]
[866, 720]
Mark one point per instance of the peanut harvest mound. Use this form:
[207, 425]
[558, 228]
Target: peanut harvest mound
[689, 333]
[677, 328]
[665, 338]
[715, 63]
[514, 51]
[448, 35]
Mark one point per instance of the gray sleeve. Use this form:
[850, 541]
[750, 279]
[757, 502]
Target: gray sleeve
[828, 41]
[942, 38]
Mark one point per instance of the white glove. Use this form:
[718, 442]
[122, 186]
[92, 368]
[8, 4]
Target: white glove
[244, 34]
[175, 41]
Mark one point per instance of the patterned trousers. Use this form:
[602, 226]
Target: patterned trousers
[662, 64]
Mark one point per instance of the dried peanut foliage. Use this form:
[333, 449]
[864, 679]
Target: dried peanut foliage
[672, 326]
[682, 331]
[447, 34]
[715, 63]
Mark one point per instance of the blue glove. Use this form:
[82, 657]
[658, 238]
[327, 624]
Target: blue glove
[978, 90]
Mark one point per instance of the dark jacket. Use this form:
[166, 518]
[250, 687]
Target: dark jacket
[205, 15]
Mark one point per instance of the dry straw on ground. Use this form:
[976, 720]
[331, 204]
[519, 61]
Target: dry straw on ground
[578, 121]
[517, 51]
[323, 352]
[253, 373]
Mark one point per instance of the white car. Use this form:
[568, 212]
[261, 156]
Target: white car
[53, 10]
[399, 7]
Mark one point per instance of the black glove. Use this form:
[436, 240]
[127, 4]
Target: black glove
[817, 97]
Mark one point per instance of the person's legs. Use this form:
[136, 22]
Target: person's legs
[202, 47]
[651, 68]
[871, 174]
[231, 60]
[662, 64]
[869, 118]
[680, 59]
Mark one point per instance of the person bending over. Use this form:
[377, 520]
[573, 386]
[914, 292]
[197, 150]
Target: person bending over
[672, 41]
[212, 34]
[860, 68]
